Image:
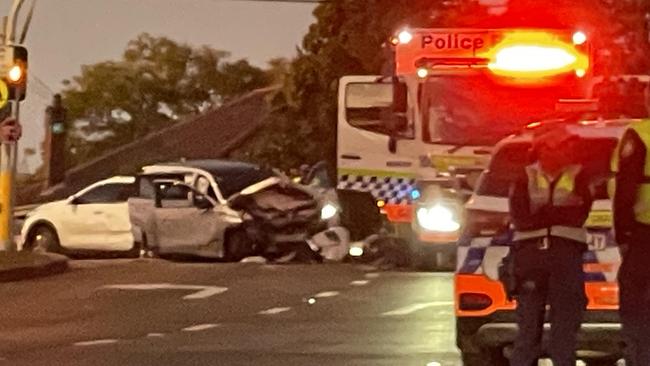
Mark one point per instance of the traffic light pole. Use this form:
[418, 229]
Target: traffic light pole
[9, 153]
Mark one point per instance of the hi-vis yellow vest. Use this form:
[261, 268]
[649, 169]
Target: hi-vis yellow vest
[563, 194]
[642, 205]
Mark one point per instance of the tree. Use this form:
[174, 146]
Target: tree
[157, 82]
[618, 29]
[347, 38]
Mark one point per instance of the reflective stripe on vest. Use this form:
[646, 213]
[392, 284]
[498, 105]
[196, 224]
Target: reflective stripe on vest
[563, 195]
[642, 206]
[567, 232]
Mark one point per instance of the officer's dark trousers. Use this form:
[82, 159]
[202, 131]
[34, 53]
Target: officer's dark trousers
[634, 285]
[552, 276]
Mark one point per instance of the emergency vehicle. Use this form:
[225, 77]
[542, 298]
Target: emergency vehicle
[485, 316]
[417, 137]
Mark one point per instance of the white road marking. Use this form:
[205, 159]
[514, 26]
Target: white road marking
[155, 335]
[273, 311]
[201, 292]
[199, 327]
[372, 275]
[322, 295]
[359, 283]
[416, 307]
[97, 342]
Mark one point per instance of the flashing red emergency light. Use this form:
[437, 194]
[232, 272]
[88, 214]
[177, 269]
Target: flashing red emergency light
[517, 53]
[536, 54]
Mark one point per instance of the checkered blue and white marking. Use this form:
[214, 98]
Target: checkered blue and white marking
[482, 255]
[393, 190]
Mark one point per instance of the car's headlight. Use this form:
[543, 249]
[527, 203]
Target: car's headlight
[437, 218]
[328, 211]
[355, 251]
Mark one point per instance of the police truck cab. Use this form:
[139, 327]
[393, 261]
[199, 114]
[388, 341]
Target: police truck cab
[417, 137]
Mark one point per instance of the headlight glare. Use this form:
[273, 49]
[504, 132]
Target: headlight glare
[328, 211]
[437, 218]
[356, 251]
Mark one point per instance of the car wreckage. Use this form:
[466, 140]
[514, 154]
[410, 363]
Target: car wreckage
[230, 210]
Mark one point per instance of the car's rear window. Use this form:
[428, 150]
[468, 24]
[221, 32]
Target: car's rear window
[507, 162]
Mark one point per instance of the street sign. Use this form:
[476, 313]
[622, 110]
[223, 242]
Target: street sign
[4, 94]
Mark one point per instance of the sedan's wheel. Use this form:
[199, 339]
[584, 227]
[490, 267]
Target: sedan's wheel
[44, 239]
[237, 246]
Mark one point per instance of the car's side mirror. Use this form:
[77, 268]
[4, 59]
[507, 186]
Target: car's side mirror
[73, 200]
[400, 97]
[395, 120]
[392, 144]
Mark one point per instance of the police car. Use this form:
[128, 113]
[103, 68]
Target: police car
[485, 317]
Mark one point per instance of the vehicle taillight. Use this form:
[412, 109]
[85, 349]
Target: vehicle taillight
[474, 301]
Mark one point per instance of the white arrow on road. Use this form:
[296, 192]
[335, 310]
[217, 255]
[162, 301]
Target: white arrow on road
[201, 292]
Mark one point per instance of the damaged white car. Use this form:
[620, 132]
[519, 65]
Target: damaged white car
[223, 209]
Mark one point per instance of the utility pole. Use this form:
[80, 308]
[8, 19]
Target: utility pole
[9, 150]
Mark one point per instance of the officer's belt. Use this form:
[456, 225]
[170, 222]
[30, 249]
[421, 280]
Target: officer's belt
[567, 232]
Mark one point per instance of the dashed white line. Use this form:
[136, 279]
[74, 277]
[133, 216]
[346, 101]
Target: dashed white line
[200, 292]
[416, 307]
[371, 275]
[322, 295]
[199, 327]
[155, 335]
[359, 283]
[97, 342]
[273, 311]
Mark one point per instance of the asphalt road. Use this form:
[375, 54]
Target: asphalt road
[153, 312]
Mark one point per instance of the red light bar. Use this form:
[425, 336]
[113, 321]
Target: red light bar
[518, 53]
[536, 54]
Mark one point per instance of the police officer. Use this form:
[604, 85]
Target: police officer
[549, 205]
[631, 163]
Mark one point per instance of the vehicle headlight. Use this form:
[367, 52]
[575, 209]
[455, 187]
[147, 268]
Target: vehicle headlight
[437, 218]
[328, 211]
[355, 251]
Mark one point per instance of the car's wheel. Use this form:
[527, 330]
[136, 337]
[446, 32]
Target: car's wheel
[237, 245]
[146, 250]
[43, 238]
[487, 357]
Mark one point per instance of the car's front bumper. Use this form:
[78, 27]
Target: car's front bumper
[600, 337]
[600, 332]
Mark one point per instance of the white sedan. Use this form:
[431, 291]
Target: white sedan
[96, 219]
